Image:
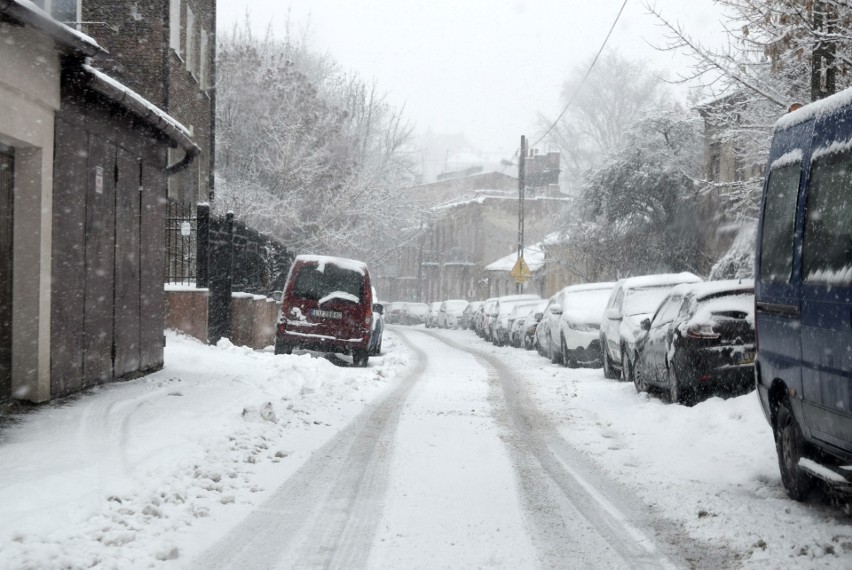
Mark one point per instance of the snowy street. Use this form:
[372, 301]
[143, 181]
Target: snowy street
[443, 452]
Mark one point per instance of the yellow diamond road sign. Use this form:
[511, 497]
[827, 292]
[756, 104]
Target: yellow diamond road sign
[521, 272]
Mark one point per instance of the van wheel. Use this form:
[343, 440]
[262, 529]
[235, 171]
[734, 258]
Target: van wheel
[567, 360]
[283, 348]
[626, 368]
[790, 446]
[555, 354]
[360, 358]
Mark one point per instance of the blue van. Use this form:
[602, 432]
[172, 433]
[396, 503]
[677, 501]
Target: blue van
[803, 295]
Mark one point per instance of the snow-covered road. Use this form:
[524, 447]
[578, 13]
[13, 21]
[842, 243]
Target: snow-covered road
[445, 452]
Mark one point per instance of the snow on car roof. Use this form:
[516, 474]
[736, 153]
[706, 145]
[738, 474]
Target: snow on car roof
[589, 287]
[660, 280]
[709, 288]
[341, 262]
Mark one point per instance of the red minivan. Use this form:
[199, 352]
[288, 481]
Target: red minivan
[327, 305]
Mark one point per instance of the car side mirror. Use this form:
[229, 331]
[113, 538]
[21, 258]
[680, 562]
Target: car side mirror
[278, 296]
[538, 316]
[645, 324]
[556, 309]
[613, 314]
[379, 308]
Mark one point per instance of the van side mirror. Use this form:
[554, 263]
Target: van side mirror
[645, 325]
[613, 314]
[538, 316]
[556, 309]
[278, 296]
[379, 308]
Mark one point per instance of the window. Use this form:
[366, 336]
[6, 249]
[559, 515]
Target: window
[669, 310]
[174, 25]
[779, 217]
[203, 61]
[827, 247]
[190, 40]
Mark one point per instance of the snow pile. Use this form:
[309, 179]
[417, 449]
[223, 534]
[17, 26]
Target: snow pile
[122, 476]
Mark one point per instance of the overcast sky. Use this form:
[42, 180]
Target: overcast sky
[485, 68]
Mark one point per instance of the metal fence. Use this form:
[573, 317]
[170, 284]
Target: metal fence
[181, 243]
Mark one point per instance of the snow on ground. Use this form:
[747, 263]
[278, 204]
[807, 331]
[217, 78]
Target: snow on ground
[711, 467]
[148, 473]
[133, 473]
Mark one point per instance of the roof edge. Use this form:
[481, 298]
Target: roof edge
[36, 18]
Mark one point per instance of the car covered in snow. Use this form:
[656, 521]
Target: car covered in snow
[450, 313]
[469, 314]
[576, 323]
[500, 313]
[632, 300]
[531, 322]
[378, 327]
[413, 314]
[327, 305]
[516, 321]
[432, 314]
[699, 342]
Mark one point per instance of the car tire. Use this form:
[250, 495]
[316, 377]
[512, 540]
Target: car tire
[638, 381]
[626, 367]
[283, 348]
[608, 370]
[678, 394]
[790, 446]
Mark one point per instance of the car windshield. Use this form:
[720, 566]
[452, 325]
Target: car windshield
[644, 300]
[311, 283]
[587, 300]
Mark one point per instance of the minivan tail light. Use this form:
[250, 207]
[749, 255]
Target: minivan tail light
[701, 332]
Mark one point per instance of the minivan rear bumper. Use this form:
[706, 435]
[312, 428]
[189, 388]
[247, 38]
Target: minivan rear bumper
[308, 341]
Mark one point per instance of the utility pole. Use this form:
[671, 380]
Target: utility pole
[823, 75]
[521, 189]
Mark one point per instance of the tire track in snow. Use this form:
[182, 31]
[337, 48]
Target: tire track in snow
[578, 516]
[326, 514]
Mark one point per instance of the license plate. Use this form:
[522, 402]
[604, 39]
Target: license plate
[323, 314]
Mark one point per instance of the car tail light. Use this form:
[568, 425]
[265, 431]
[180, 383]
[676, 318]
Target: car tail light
[701, 332]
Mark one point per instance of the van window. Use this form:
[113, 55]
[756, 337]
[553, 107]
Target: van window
[311, 283]
[827, 249]
[779, 217]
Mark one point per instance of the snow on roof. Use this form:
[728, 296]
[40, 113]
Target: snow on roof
[130, 93]
[660, 280]
[46, 23]
[341, 262]
[533, 256]
[815, 110]
[589, 287]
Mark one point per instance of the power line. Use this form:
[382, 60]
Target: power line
[583, 82]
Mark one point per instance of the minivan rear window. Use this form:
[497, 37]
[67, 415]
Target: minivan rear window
[827, 248]
[779, 218]
[311, 283]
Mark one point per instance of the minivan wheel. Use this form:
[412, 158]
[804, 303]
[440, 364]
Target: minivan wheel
[790, 446]
[567, 360]
[639, 382]
[360, 358]
[555, 355]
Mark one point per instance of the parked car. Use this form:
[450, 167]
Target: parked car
[700, 341]
[413, 314]
[393, 312]
[803, 294]
[469, 314]
[432, 315]
[542, 342]
[516, 320]
[500, 316]
[578, 324]
[327, 305]
[450, 313]
[530, 325]
[632, 300]
[377, 327]
[487, 316]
